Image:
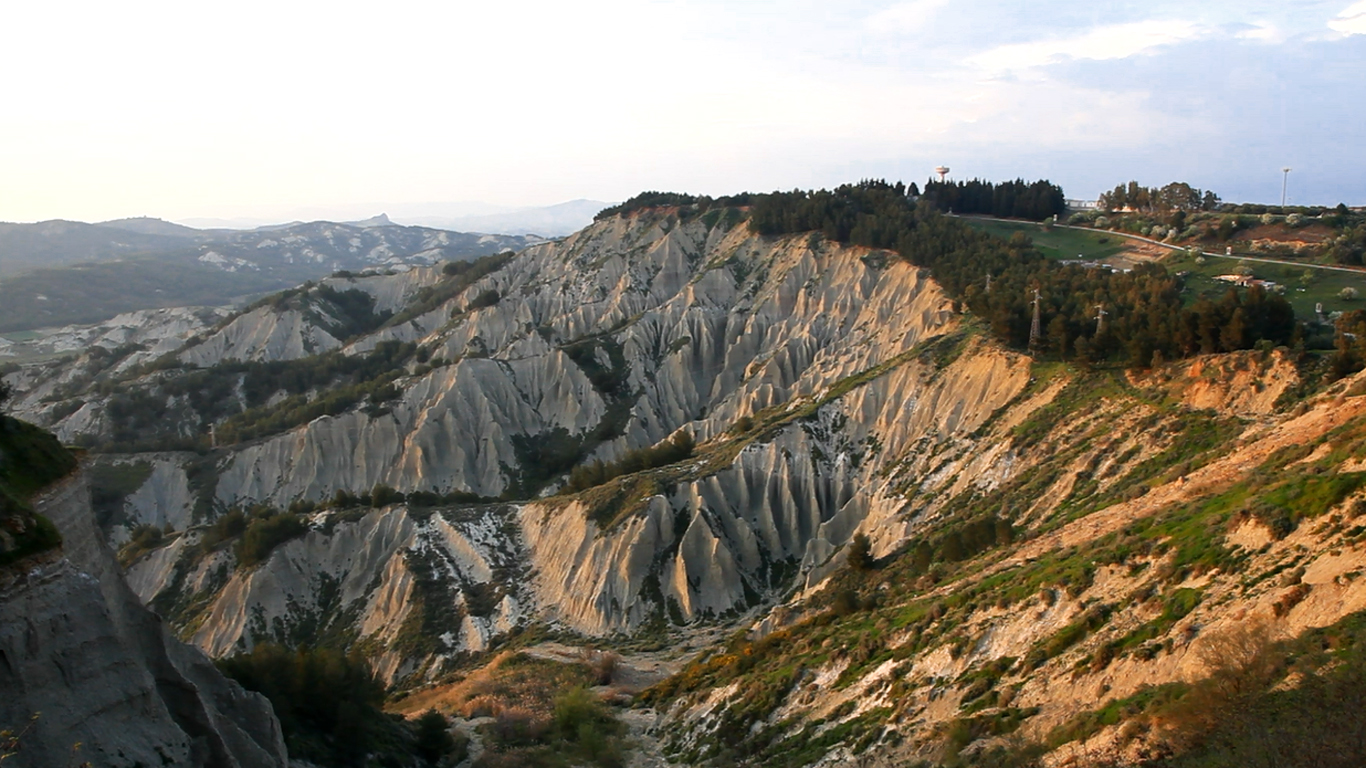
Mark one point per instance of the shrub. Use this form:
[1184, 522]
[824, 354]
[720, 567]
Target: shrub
[518, 726]
[671, 451]
[433, 739]
[603, 665]
[860, 553]
[264, 534]
[382, 496]
[144, 539]
[582, 719]
[232, 524]
[485, 299]
[481, 706]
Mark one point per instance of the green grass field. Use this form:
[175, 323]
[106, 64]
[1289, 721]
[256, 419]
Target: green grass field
[1057, 243]
[1321, 285]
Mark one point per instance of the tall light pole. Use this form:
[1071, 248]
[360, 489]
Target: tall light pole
[1285, 179]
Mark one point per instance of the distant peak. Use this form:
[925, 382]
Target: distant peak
[381, 220]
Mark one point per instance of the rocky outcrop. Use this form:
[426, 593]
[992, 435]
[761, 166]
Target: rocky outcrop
[264, 334]
[453, 430]
[421, 585]
[90, 674]
[391, 292]
[1247, 384]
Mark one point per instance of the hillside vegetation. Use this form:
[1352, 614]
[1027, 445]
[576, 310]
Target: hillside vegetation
[30, 460]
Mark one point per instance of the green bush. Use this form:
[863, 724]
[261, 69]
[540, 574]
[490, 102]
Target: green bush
[433, 739]
[229, 526]
[459, 275]
[30, 460]
[264, 534]
[671, 451]
[860, 553]
[328, 702]
[486, 298]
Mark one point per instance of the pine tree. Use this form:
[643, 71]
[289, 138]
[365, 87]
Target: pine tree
[860, 553]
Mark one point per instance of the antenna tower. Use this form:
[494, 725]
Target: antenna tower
[1034, 331]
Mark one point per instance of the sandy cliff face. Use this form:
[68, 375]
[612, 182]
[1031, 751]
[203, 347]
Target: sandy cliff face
[85, 663]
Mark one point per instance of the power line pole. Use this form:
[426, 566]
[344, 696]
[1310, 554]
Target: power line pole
[1034, 330]
[988, 282]
[1285, 179]
[1100, 317]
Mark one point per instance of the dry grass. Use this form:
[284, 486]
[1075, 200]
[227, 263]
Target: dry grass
[510, 682]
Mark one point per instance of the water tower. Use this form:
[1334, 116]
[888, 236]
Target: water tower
[943, 172]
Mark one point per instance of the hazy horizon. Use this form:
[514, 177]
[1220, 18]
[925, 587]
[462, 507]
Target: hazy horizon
[182, 113]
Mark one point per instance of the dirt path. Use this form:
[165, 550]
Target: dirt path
[634, 672]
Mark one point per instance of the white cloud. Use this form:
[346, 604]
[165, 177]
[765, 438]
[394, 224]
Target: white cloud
[1351, 21]
[1264, 32]
[904, 17]
[1118, 41]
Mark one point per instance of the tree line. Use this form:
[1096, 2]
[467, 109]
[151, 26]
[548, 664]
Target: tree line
[1176, 196]
[1016, 199]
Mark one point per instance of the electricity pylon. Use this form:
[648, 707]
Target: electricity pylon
[1034, 327]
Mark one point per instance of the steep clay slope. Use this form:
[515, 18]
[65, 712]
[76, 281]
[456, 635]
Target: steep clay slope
[91, 674]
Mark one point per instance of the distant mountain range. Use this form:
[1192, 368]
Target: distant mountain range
[550, 221]
[547, 221]
[56, 273]
[25, 247]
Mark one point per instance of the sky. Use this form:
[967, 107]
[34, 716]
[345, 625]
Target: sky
[181, 110]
